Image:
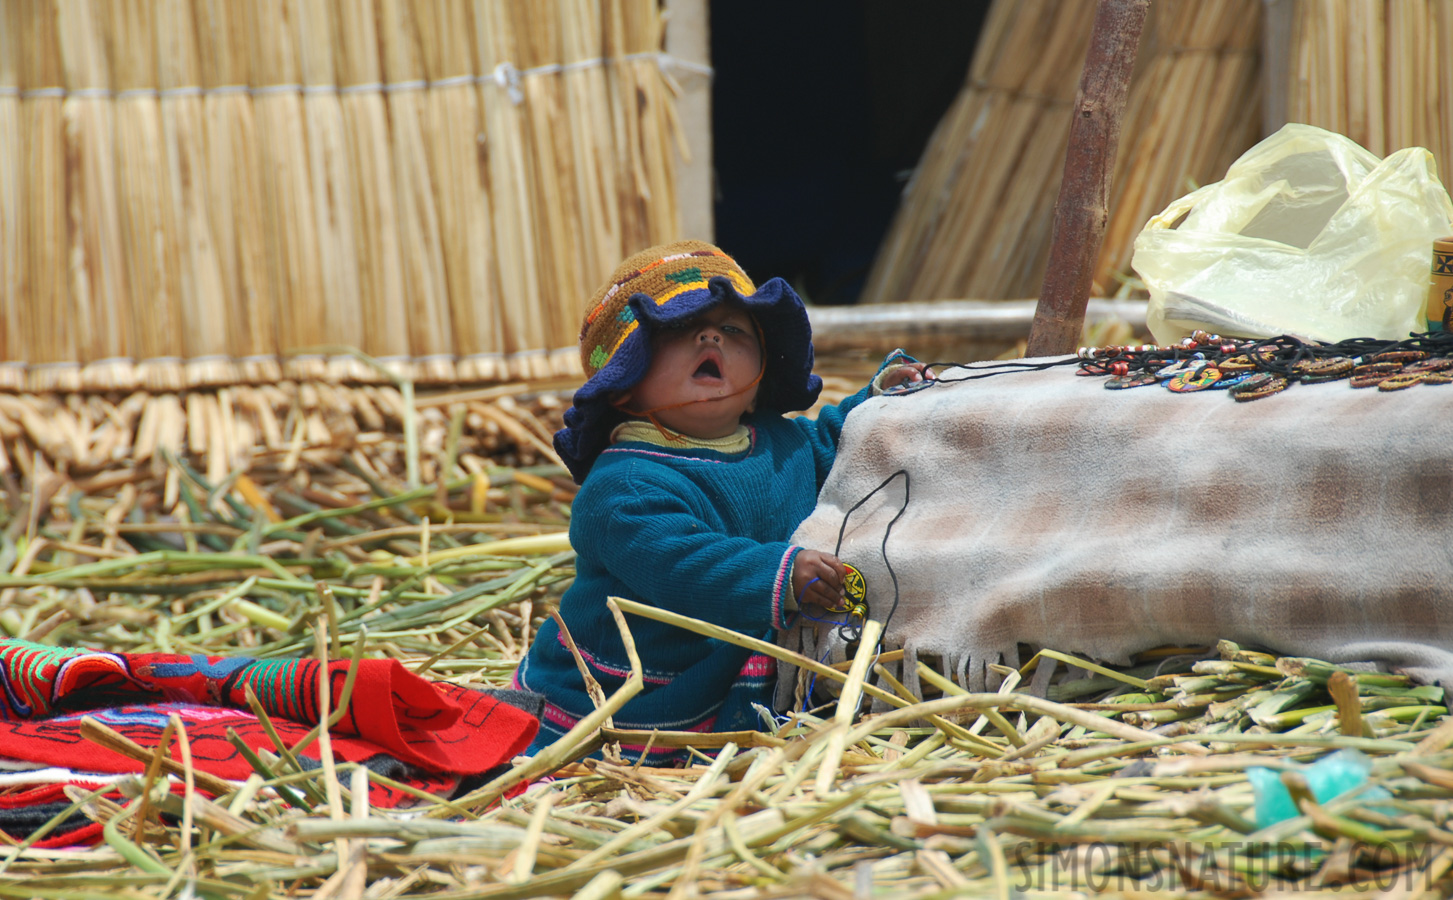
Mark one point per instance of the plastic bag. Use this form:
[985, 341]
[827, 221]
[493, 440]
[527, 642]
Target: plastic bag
[1308, 234]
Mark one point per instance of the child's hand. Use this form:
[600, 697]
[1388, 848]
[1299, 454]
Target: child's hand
[906, 374]
[827, 590]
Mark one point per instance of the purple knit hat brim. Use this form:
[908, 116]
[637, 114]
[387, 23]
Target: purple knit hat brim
[787, 380]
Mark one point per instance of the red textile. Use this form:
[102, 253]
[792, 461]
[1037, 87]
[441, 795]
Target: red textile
[437, 727]
[484, 734]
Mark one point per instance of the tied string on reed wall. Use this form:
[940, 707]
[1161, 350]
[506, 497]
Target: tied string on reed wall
[504, 75]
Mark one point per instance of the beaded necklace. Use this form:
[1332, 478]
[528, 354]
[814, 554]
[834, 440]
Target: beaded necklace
[1252, 369]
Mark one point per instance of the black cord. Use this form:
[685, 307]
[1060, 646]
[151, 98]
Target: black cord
[1284, 355]
[847, 631]
[988, 370]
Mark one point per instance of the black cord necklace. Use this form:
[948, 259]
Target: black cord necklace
[1251, 369]
[1247, 368]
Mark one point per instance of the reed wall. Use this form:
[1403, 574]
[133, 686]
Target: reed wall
[210, 192]
[976, 218]
[1378, 71]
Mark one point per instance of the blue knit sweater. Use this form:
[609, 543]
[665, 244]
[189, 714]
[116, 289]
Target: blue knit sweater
[693, 531]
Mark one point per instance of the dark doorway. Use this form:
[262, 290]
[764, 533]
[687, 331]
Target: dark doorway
[820, 112]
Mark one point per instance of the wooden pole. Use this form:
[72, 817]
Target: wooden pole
[1083, 206]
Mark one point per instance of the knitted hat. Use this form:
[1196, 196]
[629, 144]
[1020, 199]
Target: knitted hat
[658, 288]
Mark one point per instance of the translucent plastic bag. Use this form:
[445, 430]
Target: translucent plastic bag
[1308, 234]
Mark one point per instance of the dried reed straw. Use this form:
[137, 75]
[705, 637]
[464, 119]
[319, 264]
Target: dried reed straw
[1442, 144]
[331, 180]
[201, 298]
[587, 102]
[460, 188]
[12, 223]
[234, 189]
[425, 286]
[536, 28]
[1193, 108]
[1035, 128]
[99, 307]
[197, 185]
[149, 230]
[381, 308]
[1024, 67]
[976, 217]
[1374, 71]
[510, 178]
[648, 201]
[293, 249]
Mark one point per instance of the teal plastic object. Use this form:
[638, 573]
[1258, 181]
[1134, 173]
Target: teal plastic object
[1328, 778]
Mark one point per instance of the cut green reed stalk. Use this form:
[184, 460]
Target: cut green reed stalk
[400, 499]
[102, 735]
[563, 750]
[327, 720]
[705, 786]
[270, 778]
[690, 829]
[847, 704]
[284, 751]
[759, 646]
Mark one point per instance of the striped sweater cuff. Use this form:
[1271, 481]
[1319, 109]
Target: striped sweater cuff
[784, 605]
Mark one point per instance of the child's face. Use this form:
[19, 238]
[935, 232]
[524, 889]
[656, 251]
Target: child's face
[698, 382]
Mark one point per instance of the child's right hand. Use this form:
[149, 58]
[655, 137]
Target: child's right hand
[827, 590]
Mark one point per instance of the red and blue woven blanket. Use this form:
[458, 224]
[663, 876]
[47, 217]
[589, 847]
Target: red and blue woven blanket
[430, 735]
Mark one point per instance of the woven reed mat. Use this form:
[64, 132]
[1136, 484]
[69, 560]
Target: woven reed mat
[1047, 511]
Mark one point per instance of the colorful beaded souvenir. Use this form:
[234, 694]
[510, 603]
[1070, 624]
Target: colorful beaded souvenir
[1139, 379]
[1167, 372]
[1252, 368]
[854, 585]
[1399, 356]
[1194, 380]
[1370, 379]
[1400, 381]
[1228, 381]
[1262, 384]
[1333, 369]
[1377, 368]
[855, 591]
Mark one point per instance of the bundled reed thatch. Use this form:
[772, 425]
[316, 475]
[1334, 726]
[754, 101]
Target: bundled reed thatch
[1194, 107]
[1376, 71]
[975, 219]
[11, 185]
[245, 429]
[205, 192]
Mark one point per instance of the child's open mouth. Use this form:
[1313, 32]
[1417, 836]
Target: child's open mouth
[709, 368]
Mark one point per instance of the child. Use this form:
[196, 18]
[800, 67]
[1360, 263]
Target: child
[691, 483]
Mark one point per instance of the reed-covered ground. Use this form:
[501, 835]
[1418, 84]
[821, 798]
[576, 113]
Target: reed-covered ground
[1117, 781]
